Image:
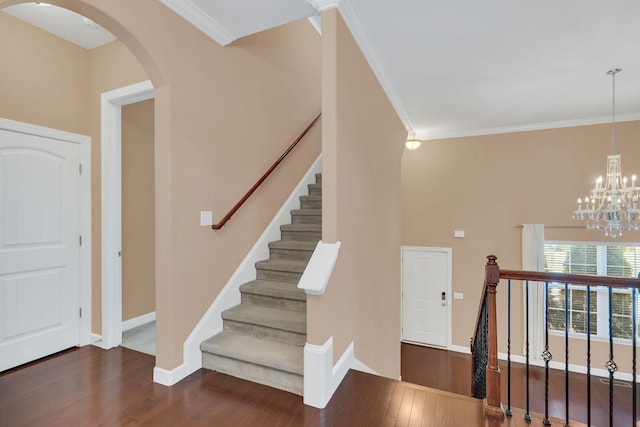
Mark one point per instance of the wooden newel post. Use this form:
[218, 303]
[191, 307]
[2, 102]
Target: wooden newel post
[493, 406]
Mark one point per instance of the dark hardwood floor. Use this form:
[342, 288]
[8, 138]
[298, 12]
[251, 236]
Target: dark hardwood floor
[89, 386]
[451, 371]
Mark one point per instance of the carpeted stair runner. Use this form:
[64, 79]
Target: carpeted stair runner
[263, 337]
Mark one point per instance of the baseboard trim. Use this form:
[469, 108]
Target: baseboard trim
[138, 321]
[459, 349]
[95, 339]
[321, 378]
[170, 377]
[211, 323]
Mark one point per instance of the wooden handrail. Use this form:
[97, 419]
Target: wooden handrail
[237, 206]
[575, 279]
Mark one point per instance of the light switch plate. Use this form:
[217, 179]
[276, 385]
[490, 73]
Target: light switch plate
[206, 218]
[458, 295]
[458, 233]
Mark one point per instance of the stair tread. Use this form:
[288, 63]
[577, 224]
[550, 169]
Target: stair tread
[301, 227]
[308, 211]
[284, 357]
[311, 197]
[286, 320]
[286, 265]
[297, 245]
[274, 289]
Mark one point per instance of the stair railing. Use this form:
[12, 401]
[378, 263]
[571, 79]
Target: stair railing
[485, 379]
[485, 370]
[263, 178]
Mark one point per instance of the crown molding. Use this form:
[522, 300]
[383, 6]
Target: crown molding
[202, 21]
[352, 18]
[321, 5]
[425, 136]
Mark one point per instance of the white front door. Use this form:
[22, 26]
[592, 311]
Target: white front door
[39, 247]
[425, 295]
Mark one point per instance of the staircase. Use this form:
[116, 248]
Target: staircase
[263, 337]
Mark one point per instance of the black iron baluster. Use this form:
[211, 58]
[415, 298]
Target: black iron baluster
[611, 365]
[546, 355]
[480, 356]
[588, 355]
[566, 353]
[508, 411]
[527, 415]
[634, 314]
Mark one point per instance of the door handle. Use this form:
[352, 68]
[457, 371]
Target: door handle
[444, 298]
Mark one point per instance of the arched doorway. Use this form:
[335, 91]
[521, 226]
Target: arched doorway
[69, 113]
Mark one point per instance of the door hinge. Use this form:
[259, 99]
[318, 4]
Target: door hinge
[80, 168]
[80, 312]
[80, 240]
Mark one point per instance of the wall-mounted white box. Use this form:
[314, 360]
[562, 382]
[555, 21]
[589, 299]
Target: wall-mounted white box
[206, 218]
[458, 233]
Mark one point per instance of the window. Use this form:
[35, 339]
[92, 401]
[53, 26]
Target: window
[594, 259]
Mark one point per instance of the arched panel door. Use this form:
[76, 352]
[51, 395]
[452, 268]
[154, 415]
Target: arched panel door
[39, 247]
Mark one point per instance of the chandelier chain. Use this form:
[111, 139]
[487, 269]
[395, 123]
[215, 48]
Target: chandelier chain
[613, 108]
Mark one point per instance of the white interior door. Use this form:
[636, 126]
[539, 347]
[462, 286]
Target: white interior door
[39, 247]
[426, 278]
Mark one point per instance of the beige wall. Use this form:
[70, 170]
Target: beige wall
[138, 211]
[35, 86]
[222, 116]
[486, 186]
[362, 147]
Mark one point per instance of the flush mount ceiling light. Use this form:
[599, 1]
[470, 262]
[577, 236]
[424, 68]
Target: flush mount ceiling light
[412, 143]
[613, 206]
[37, 3]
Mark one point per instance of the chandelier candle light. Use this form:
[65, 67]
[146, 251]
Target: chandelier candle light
[613, 207]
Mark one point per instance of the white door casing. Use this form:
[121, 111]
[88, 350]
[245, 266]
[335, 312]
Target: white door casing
[44, 270]
[111, 141]
[426, 295]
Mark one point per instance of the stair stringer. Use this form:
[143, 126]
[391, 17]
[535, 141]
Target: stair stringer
[211, 323]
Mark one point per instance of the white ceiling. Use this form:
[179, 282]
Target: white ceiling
[63, 23]
[464, 67]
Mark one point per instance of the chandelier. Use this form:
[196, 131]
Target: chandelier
[413, 143]
[613, 205]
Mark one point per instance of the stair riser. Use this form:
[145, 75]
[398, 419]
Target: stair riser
[290, 254]
[310, 204]
[318, 178]
[278, 276]
[306, 219]
[309, 236]
[273, 302]
[315, 191]
[264, 332]
[260, 374]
